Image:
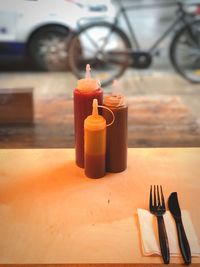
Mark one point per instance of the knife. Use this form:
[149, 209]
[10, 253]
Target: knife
[182, 239]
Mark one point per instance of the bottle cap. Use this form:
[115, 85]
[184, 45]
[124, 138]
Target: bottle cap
[95, 121]
[88, 84]
[115, 99]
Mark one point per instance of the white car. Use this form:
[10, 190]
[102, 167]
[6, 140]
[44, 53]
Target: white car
[41, 28]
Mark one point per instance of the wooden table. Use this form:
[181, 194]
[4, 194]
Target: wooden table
[51, 213]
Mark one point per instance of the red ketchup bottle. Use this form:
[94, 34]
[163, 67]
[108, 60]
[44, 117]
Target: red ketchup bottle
[87, 89]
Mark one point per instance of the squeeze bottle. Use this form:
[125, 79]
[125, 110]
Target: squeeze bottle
[95, 143]
[87, 89]
[116, 141]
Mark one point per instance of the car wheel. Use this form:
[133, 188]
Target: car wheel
[48, 48]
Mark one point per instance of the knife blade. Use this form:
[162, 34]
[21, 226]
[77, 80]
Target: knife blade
[175, 210]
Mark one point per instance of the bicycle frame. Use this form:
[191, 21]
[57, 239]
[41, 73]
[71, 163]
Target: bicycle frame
[123, 12]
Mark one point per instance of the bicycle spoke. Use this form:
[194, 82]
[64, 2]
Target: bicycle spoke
[91, 40]
[90, 51]
[95, 44]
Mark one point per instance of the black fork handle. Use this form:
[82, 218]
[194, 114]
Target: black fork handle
[164, 245]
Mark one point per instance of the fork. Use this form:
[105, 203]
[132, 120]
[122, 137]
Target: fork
[157, 208]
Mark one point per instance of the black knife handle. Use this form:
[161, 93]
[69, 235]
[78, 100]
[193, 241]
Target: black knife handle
[164, 245]
[183, 242]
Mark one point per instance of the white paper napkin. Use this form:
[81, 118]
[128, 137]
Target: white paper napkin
[149, 233]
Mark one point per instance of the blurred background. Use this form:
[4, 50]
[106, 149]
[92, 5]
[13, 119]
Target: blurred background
[36, 81]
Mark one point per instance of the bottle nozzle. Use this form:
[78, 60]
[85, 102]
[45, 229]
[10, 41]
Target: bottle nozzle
[95, 108]
[115, 87]
[88, 72]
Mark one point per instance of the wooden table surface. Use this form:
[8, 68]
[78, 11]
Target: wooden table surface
[51, 213]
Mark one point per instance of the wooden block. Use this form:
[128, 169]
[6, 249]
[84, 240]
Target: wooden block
[16, 105]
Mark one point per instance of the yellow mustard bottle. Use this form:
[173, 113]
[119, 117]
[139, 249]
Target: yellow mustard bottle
[95, 144]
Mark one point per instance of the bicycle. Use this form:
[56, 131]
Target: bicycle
[108, 49]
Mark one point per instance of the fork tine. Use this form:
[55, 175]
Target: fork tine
[156, 199]
[155, 202]
[162, 197]
[158, 196]
[150, 199]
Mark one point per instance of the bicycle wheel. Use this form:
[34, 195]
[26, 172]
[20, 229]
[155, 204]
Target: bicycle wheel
[102, 45]
[185, 52]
